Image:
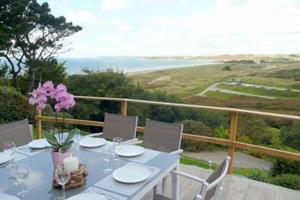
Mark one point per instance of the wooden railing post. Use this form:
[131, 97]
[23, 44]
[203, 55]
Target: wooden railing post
[232, 138]
[39, 124]
[124, 108]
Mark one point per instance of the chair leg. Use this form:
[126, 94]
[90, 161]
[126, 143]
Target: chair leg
[154, 191]
[163, 186]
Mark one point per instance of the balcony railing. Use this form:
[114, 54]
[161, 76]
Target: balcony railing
[231, 142]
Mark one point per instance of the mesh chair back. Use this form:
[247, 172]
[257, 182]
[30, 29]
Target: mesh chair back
[162, 136]
[119, 126]
[17, 132]
[215, 179]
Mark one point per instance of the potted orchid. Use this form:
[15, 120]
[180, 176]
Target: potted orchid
[61, 101]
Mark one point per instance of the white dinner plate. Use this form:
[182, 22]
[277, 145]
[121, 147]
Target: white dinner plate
[91, 142]
[129, 150]
[39, 144]
[4, 158]
[88, 196]
[131, 174]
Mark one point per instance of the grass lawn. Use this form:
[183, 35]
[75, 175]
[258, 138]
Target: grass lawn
[184, 81]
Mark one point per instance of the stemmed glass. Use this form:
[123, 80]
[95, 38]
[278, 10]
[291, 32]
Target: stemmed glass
[108, 156]
[62, 177]
[76, 147]
[9, 147]
[117, 142]
[21, 172]
[77, 136]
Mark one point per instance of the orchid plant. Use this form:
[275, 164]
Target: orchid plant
[62, 101]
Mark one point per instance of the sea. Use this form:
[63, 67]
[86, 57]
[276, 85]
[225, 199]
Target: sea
[127, 64]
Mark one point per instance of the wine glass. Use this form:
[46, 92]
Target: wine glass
[117, 142]
[76, 146]
[9, 148]
[77, 136]
[108, 156]
[21, 172]
[62, 177]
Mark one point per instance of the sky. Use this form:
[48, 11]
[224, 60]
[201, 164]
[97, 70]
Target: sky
[181, 27]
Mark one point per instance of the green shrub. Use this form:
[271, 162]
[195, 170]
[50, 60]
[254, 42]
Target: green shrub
[13, 105]
[290, 135]
[287, 180]
[259, 176]
[281, 166]
[245, 139]
[221, 132]
[227, 68]
[197, 128]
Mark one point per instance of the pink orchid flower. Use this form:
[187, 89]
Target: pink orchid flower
[63, 99]
[48, 86]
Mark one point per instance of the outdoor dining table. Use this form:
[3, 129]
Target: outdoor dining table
[39, 181]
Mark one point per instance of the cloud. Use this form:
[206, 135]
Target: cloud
[234, 26]
[114, 5]
[228, 26]
[82, 17]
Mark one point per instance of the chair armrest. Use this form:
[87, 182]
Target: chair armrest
[94, 134]
[189, 176]
[131, 141]
[135, 142]
[179, 151]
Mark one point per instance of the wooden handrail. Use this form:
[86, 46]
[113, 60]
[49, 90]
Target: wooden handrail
[181, 105]
[191, 137]
[230, 142]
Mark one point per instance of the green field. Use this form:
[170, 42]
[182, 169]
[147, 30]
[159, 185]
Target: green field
[188, 82]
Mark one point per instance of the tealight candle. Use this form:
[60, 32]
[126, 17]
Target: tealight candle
[71, 164]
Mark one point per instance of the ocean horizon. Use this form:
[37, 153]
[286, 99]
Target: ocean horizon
[127, 64]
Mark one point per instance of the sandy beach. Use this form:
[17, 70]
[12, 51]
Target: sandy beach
[167, 68]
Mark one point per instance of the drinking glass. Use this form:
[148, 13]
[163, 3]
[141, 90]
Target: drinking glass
[77, 136]
[117, 142]
[21, 172]
[62, 177]
[108, 157]
[76, 147]
[9, 147]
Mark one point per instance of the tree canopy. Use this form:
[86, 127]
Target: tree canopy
[29, 35]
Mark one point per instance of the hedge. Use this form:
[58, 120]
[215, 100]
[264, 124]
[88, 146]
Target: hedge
[13, 105]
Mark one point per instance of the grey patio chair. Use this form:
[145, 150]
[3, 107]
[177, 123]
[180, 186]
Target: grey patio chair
[18, 132]
[119, 126]
[163, 136]
[210, 186]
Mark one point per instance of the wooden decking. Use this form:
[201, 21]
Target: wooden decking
[234, 188]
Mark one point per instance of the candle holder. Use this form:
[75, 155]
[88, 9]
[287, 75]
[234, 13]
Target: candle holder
[77, 179]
